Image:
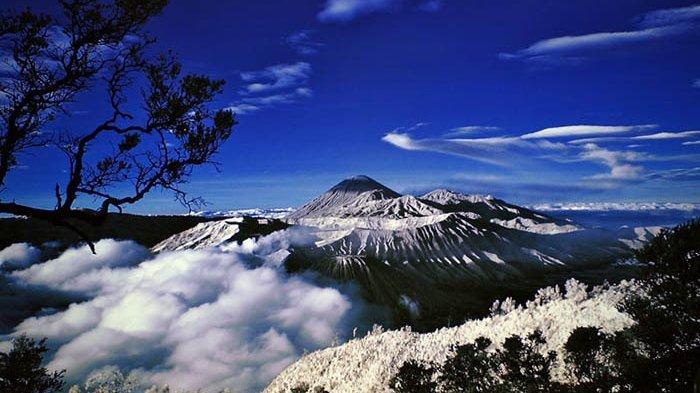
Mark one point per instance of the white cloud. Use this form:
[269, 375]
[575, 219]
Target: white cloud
[285, 84]
[242, 109]
[596, 40]
[519, 151]
[19, 255]
[285, 98]
[403, 141]
[671, 16]
[479, 149]
[80, 262]
[470, 129]
[405, 129]
[696, 83]
[668, 135]
[690, 143]
[345, 10]
[598, 140]
[578, 130]
[210, 319]
[619, 162]
[277, 77]
[654, 25]
[302, 42]
[679, 174]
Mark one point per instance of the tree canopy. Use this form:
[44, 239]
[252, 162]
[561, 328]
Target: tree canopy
[48, 61]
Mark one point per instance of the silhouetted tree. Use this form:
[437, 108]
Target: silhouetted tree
[21, 370]
[48, 61]
[470, 369]
[523, 368]
[667, 314]
[592, 357]
[414, 377]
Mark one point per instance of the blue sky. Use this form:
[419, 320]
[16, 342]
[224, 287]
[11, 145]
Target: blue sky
[533, 101]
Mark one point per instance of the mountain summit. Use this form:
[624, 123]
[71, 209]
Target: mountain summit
[361, 183]
[354, 189]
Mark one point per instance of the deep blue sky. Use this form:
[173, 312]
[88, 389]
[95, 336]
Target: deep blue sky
[379, 87]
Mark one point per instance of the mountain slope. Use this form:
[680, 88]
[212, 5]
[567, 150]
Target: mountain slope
[221, 232]
[367, 364]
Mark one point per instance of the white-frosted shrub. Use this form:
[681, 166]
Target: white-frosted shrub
[367, 364]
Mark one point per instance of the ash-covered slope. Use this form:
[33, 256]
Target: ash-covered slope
[499, 212]
[221, 232]
[367, 364]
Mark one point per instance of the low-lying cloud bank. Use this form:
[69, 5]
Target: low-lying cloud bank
[19, 255]
[206, 319]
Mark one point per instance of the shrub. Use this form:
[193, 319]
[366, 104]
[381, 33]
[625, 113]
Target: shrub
[21, 370]
[414, 377]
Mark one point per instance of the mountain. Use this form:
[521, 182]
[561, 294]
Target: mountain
[440, 255]
[446, 253]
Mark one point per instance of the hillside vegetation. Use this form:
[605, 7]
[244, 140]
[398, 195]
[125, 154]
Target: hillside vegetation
[634, 336]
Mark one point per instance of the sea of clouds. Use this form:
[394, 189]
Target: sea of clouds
[229, 317]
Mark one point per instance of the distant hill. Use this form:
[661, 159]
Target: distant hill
[145, 230]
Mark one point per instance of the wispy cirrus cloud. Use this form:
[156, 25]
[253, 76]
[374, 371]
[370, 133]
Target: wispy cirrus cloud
[274, 85]
[624, 165]
[479, 149]
[671, 16]
[593, 41]
[579, 130]
[303, 43]
[691, 143]
[277, 77]
[650, 137]
[346, 10]
[253, 104]
[652, 26]
[679, 174]
[466, 130]
[696, 83]
[668, 135]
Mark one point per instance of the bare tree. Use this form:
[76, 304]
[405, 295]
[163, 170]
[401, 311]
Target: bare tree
[46, 62]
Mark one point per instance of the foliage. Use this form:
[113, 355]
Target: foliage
[21, 370]
[304, 388]
[98, 45]
[414, 377]
[667, 331]
[107, 380]
[522, 367]
[470, 369]
[591, 359]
